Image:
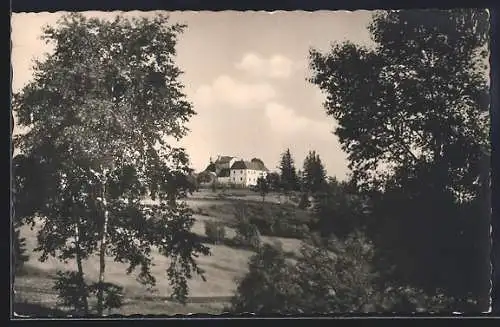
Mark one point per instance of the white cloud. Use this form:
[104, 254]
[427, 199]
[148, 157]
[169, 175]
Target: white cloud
[225, 90]
[277, 66]
[285, 120]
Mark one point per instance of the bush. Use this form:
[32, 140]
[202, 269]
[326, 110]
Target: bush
[329, 276]
[73, 292]
[248, 235]
[267, 287]
[409, 299]
[215, 231]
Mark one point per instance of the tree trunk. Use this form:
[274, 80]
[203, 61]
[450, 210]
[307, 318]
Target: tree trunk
[80, 268]
[102, 253]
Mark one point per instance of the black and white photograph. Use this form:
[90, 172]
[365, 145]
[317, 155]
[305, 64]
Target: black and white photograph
[249, 162]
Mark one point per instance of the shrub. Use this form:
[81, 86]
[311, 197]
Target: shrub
[247, 234]
[113, 294]
[330, 276]
[71, 290]
[267, 288]
[74, 293]
[215, 231]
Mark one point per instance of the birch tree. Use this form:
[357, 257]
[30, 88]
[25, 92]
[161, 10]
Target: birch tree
[99, 109]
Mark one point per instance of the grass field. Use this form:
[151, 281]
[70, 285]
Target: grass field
[222, 269]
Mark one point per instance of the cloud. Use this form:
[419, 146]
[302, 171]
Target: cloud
[284, 120]
[226, 91]
[277, 66]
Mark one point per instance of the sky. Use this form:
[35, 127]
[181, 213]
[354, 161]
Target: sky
[245, 74]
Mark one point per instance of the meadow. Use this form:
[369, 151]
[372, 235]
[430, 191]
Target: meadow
[223, 267]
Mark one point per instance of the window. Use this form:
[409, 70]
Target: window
[241, 179]
[241, 171]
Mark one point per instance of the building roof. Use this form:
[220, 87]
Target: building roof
[223, 159]
[254, 165]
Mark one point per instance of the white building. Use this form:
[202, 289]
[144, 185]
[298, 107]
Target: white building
[246, 173]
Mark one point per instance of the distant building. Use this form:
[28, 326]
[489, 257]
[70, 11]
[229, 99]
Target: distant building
[233, 171]
[246, 173]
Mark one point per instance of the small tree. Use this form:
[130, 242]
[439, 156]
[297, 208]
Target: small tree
[314, 176]
[262, 187]
[288, 177]
[273, 180]
[268, 286]
[247, 233]
[327, 278]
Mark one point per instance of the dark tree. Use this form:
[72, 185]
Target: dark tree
[314, 175]
[273, 179]
[413, 119]
[288, 177]
[262, 187]
[99, 109]
[338, 210]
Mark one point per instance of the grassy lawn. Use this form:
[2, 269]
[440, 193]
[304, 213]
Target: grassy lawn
[222, 269]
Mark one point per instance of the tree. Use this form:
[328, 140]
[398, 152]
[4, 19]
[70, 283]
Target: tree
[314, 176]
[412, 115]
[288, 177]
[273, 180]
[99, 108]
[262, 187]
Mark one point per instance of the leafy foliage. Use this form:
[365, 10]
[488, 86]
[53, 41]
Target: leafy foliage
[113, 294]
[99, 110]
[273, 180]
[247, 234]
[267, 287]
[72, 290]
[339, 211]
[412, 115]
